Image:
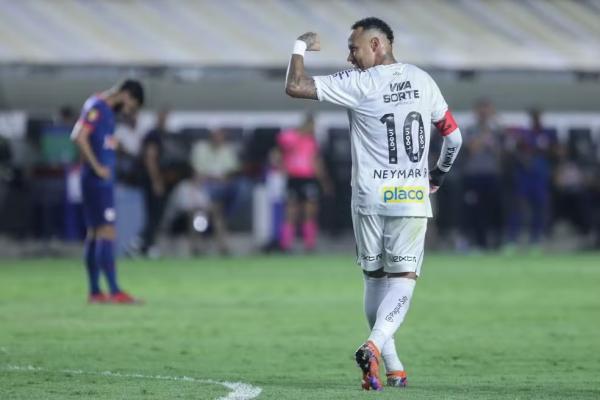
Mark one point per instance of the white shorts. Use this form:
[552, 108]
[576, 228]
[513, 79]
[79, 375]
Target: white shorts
[395, 244]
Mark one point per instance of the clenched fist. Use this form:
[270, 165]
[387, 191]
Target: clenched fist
[312, 41]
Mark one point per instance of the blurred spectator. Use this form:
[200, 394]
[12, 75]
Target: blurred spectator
[153, 185]
[66, 116]
[129, 199]
[531, 151]
[128, 151]
[595, 200]
[6, 169]
[449, 203]
[304, 169]
[482, 178]
[129, 137]
[275, 187]
[189, 211]
[54, 154]
[215, 165]
[572, 193]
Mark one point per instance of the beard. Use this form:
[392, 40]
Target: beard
[118, 107]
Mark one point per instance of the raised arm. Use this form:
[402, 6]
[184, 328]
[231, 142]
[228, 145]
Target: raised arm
[297, 83]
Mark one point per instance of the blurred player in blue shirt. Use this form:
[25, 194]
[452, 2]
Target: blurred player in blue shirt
[533, 151]
[93, 134]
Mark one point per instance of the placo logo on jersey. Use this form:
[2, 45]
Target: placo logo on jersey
[403, 194]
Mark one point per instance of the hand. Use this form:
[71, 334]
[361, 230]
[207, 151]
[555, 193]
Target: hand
[312, 41]
[103, 172]
[436, 178]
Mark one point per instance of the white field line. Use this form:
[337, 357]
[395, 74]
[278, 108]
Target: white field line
[239, 390]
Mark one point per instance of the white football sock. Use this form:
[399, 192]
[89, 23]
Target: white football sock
[375, 291]
[390, 356]
[392, 310]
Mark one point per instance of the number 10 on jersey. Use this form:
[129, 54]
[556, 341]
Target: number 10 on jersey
[407, 134]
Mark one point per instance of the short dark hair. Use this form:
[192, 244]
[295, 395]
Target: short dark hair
[375, 23]
[134, 88]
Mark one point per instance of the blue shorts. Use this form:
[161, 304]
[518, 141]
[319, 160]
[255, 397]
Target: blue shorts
[98, 202]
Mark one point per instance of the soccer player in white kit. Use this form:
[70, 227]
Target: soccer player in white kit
[391, 107]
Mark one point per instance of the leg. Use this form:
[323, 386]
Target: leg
[218, 220]
[309, 224]
[515, 218]
[376, 286]
[155, 207]
[538, 204]
[389, 317]
[105, 233]
[288, 229]
[309, 195]
[105, 255]
[105, 258]
[94, 201]
[218, 195]
[148, 211]
[480, 213]
[472, 206]
[403, 242]
[93, 270]
[368, 232]
[393, 307]
[496, 214]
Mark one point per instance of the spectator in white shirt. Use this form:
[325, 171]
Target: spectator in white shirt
[215, 165]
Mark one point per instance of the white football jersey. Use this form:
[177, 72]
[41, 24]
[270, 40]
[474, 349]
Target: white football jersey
[391, 109]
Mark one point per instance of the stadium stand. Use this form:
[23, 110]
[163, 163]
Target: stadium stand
[221, 64]
[551, 35]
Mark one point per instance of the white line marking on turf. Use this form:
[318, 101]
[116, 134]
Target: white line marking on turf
[239, 390]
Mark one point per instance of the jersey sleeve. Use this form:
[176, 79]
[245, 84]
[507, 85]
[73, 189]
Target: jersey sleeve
[342, 88]
[90, 118]
[438, 103]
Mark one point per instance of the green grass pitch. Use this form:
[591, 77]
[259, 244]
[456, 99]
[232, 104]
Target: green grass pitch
[481, 327]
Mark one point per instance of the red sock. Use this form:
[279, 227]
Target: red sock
[309, 234]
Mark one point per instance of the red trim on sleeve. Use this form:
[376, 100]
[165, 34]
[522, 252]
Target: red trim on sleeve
[86, 124]
[447, 124]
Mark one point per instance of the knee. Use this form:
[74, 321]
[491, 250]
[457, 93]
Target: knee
[407, 275]
[380, 273]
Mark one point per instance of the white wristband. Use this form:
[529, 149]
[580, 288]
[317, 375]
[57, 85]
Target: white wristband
[299, 47]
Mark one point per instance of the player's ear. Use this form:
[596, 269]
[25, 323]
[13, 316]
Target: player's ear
[375, 44]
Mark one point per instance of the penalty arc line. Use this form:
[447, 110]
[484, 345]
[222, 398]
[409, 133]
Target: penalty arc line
[239, 390]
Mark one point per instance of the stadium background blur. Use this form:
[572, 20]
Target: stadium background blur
[221, 65]
[493, 317]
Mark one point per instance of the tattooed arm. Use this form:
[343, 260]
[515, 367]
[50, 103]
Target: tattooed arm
[297, 83]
